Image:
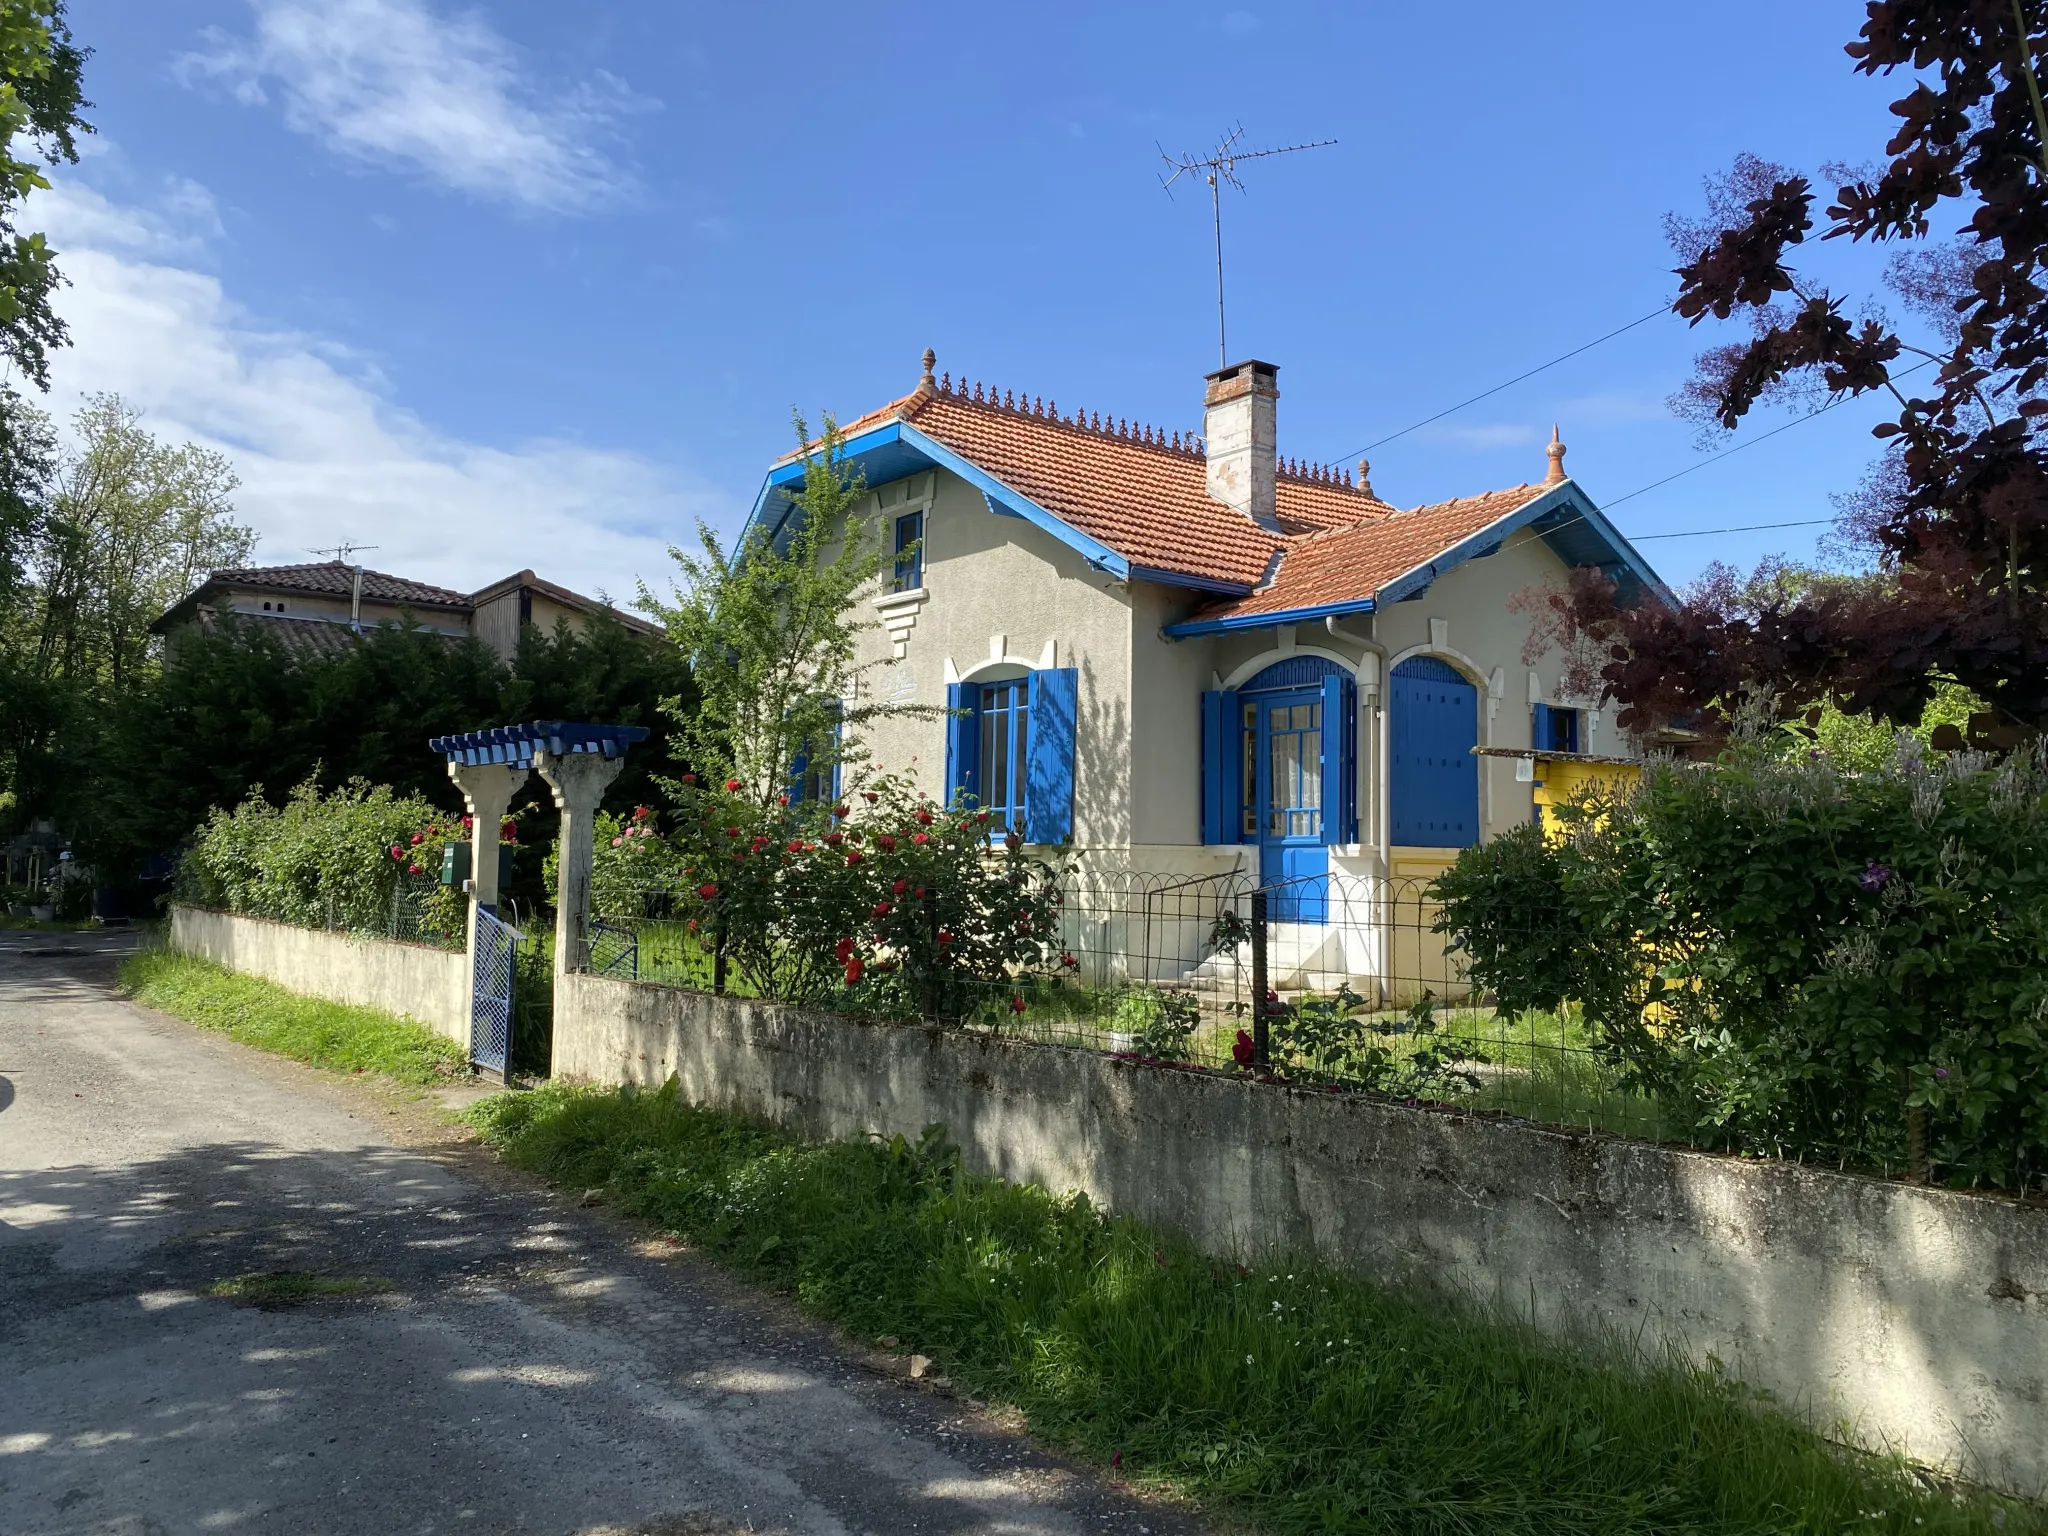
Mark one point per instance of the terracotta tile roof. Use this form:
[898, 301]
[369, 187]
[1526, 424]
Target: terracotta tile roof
[1349, 564]
[304, 638]
[333, 578]
[1142, 492]
[1134, 488]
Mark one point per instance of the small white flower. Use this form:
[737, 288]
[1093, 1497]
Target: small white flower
[1247, 1359]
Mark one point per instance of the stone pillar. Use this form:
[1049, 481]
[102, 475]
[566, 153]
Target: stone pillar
[487, 791]
[579, 780]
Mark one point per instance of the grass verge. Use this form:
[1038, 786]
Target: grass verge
[308, 1029]
[1300, 1399]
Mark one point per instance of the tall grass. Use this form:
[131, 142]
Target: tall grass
[1300, 1399]
[309, 1029]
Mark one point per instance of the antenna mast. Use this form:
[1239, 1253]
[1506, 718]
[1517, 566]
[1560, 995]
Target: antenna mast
[1216, 169]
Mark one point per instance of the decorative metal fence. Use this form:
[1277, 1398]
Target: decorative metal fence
[1333, 980]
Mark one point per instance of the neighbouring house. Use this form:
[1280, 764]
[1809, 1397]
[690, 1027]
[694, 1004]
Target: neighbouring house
[1189, 657]
[315, 608]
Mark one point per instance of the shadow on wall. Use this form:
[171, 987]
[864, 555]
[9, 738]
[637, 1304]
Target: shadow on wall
[1102, 772]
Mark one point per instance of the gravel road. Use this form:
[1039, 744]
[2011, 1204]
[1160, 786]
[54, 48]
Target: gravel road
[506, 1361]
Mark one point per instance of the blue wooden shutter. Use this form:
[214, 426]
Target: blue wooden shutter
[799, 772]
[1049, 769]
[1539, 727]
[1222, 767]
[1571, 729]
[1340, 759]
[963, 742]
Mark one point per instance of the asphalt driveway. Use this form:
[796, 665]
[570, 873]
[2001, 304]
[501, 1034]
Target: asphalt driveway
[488, 1356]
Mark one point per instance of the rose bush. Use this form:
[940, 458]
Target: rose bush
[1844, 966]
[885, 901]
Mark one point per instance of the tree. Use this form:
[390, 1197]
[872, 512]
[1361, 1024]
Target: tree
[127, 526]
[1957, 508]
[772, 635]
[41, 97]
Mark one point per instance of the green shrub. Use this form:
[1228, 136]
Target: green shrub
[330, 861]
[1844, 966]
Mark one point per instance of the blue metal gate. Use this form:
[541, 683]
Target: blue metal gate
[490, 1009]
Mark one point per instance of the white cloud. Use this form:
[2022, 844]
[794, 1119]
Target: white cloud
[392, 82]
[324, 454]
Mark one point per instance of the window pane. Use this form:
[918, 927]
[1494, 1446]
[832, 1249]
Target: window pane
[1286, 760]
[1312, 768]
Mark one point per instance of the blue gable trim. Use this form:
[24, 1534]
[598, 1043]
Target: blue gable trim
[890, 452]
[1576, 531]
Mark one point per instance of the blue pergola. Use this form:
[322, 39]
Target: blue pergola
[514, 745]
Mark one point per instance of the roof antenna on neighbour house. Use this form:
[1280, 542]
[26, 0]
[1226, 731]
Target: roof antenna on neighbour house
[1217, 169]
[342, 551]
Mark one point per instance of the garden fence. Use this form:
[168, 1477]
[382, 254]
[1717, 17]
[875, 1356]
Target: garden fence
[1334, 980]
[416, 910]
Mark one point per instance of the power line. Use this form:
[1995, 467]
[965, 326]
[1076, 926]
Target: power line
[1701, 533]
[1518, 378]
[1759, 438]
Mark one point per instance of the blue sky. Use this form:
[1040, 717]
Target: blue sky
[520, 285]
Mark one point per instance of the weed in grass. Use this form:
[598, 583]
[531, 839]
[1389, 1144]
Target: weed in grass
[262, 1014]
[276, 1290]
[1301, 1399]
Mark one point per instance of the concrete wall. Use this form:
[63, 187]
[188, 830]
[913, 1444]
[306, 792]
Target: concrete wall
[1919, 1316]
[411, 980]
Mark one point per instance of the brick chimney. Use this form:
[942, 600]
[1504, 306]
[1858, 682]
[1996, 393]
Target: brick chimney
[1240, 432]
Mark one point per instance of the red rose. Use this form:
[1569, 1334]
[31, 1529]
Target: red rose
[981, 818]
[900, 887]
[467, 822]
[691, 925]
[1017, 1004]
[642, 812]
[759, 843]
[924, 817]
[732, 831]
[945, 936]
[882, 909]
[796, 845]
[839, 810]
[397, 852]
[886, 843]
[1069, 961]
[854, 971]
[852, 859]
[508, 831]
[1012, 841]
[921, 838]
[732, 786]
[782, 799]
[843, 951]
[834, 839]
[1243, 1050]
[870, 796]
[689, 778]
[707, 890]
[415, 869]
[418, 838]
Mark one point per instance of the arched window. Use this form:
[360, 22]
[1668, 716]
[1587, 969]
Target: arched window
[1433, 775]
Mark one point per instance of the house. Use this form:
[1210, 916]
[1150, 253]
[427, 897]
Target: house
[1187, 656]
[316, 608]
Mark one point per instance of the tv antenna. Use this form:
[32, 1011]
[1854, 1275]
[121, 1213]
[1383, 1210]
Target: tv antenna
[1217, 169]
[341, 551]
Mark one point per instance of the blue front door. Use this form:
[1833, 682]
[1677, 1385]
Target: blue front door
[1434, 776]
[1289, 761]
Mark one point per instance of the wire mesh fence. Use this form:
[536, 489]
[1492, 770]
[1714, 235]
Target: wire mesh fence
[416, 909]
[1332, 980]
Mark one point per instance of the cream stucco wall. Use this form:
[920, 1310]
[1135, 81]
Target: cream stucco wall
[1001, 597]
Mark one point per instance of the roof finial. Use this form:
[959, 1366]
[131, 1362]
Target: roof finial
[1365, 478]
[931, 360]
[1556, 475]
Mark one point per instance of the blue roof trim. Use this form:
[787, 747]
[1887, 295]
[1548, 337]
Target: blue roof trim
[1166, 578]
[1189, 628]
[902, 449]
[516, 744]
[1576, 531]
